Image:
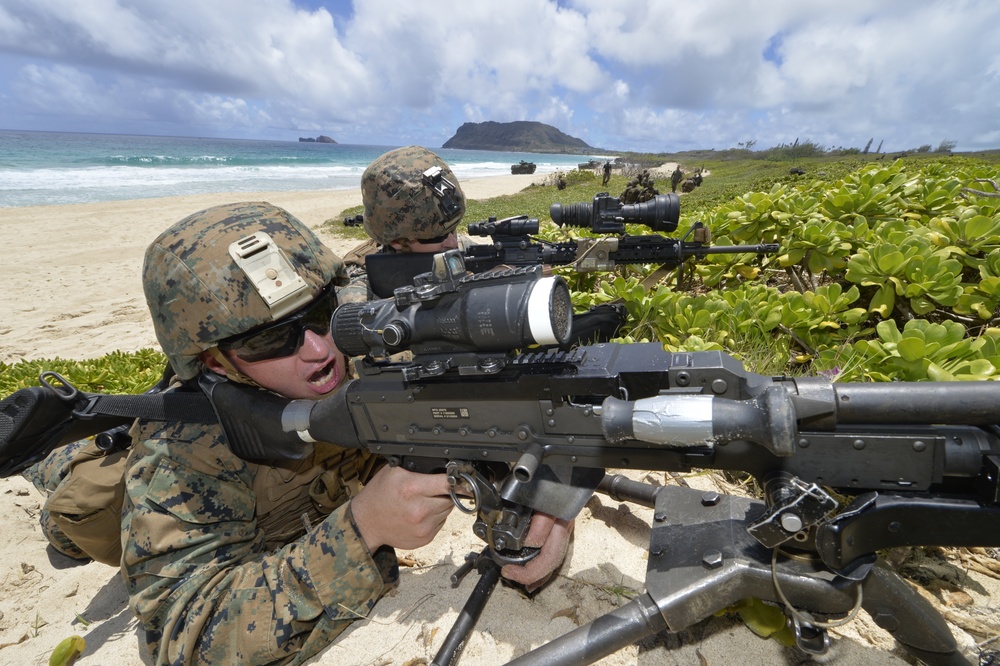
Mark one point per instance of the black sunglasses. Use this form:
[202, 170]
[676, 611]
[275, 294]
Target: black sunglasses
[284, 337]
[436, 239]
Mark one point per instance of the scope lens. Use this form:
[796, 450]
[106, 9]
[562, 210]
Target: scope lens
[660, 213]
[550, 311]
[348, 331]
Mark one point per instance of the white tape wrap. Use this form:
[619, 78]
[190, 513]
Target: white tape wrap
[679, 420]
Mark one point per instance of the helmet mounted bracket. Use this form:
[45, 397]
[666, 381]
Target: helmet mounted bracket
[443, 189]
[271, 274]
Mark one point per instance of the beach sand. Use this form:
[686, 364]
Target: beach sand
[73, 291]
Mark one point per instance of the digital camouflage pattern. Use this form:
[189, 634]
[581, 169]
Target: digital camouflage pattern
[398, 204]
[47, 475]
[357, 290]
[224, 560]
[196, 293]
[227, 561]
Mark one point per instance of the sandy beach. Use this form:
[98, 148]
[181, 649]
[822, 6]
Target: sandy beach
[73, 291]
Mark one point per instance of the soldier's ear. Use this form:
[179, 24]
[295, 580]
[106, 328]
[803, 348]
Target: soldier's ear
[211, 362]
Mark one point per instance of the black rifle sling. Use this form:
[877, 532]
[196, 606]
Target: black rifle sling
[36, 420]
[192, 407]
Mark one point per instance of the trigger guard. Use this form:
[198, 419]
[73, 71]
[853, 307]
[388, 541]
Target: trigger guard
[518, 557]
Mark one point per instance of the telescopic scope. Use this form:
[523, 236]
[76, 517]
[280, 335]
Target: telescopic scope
[487, 312]
[609, 215]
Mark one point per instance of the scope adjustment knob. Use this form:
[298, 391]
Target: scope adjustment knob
[395, 333]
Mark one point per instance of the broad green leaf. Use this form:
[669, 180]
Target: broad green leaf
[911, 349]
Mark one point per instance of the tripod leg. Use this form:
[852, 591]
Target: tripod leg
[606, 635]
[467, 618]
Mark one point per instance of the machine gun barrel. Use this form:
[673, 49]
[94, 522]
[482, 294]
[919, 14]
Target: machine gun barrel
[686, 411]
[904, 403]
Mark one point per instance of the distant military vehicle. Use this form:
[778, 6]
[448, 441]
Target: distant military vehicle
[523, 167]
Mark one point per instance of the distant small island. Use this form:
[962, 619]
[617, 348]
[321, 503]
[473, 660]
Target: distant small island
[519, 136]
[322, 138]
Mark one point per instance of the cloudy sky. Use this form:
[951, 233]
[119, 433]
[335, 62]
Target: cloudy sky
[648, 75]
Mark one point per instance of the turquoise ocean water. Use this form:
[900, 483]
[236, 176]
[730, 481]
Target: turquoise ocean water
[44, 168]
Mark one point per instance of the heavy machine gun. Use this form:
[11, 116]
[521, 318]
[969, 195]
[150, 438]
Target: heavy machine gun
[536, 430]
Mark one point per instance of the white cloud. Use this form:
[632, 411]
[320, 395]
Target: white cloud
[626, 74]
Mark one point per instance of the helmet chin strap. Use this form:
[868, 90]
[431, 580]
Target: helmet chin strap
[232, 373]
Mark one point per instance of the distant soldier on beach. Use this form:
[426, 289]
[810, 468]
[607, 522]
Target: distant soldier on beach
[607, 174]
[647, 187]
[675, 178]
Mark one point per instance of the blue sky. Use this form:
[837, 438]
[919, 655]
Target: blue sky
[647, 75]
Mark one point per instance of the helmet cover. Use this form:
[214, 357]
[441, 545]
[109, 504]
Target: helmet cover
[198, 293]
[410, 193]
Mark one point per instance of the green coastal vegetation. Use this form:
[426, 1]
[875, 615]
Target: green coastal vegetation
[889, 267]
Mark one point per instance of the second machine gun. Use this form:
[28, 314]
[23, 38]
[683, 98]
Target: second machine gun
[514, 242]
[535, 431]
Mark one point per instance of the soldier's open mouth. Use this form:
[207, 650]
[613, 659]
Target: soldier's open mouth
[325, 375]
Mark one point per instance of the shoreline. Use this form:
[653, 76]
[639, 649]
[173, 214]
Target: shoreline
[76, 291]
[480, 187]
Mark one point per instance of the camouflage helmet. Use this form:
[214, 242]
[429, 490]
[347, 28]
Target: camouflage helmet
[410, 193]
[226, 270]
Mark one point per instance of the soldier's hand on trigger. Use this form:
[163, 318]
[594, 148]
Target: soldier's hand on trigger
[401, 509]
[553, 536]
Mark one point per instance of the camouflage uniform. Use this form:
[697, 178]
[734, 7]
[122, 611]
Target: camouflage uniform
[214, 579]
[357, 289]
[227, 560]
[48, 475]
[675, 178]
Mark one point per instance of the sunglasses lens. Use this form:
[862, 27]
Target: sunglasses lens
[435, 240]
[272, 343]
[284, 338]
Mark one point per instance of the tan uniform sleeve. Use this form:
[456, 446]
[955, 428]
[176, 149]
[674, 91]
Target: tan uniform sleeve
[200, 578]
